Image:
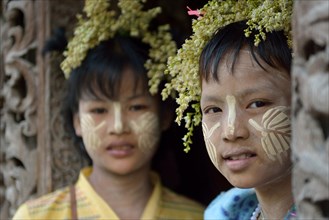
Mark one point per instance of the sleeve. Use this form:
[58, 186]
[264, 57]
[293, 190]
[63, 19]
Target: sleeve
[22, 213]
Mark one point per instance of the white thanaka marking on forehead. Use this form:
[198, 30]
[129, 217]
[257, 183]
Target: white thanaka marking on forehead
[118, 127]
[231, 115]
[89, 131]
[211, 149]
[275, 131]
[147, 128]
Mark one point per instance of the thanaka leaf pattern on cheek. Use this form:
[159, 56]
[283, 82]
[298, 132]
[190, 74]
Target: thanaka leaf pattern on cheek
[147, 127]
[211, 149]
[276, 132]
[89, 132]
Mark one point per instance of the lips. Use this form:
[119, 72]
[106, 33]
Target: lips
[239, 156]
[239, 160]
[120, 149]
[120, 145]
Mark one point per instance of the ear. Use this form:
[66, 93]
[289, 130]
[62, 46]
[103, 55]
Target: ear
[77, 124]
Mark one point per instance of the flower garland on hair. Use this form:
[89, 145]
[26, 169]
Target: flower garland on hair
[101, 24]
[261, 15]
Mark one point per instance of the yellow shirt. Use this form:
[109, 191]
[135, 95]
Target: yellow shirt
[163, 204]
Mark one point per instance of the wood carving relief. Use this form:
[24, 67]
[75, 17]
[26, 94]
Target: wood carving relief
[66, 162]
[18, 113]
[36, 155]
[311, 108]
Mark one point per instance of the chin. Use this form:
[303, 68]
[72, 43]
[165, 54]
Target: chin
[242, 182]
[121, 170]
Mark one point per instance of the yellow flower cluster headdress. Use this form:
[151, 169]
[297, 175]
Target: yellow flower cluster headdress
[101, 24]
[261, 15]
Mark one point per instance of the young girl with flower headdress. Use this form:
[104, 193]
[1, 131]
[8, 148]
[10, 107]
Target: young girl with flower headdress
[115, 119]
[239, 58]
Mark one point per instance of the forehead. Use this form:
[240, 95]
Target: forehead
[246, 74]
[131, 84]
[127, 85]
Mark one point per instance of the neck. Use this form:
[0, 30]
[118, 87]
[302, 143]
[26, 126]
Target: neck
[275, 199]
[123, 192]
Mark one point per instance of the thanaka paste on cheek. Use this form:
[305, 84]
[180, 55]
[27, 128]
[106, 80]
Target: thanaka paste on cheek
[231, 115]
[147, 128]
[89, 132]
[275, 130]
[209, 145]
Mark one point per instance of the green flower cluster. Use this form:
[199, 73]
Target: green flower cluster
[101, 24]
[261, 15]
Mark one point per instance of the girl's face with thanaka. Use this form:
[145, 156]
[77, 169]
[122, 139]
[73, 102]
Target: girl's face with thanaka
[246, 122]
[121, 135]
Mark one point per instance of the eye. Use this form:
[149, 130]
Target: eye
[258, 104]
[212, 110]
[98, 110]
[138, 107]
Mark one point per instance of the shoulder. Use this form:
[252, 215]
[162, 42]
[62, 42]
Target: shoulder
[180, 206]
[42, 206]
[60, 195]
[233, 204]
[173, 197]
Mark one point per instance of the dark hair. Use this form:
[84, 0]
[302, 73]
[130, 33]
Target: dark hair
[100, 75]
[57, 42]
[230, 39]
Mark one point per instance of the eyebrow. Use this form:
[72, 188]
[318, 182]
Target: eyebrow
[211, 98]
[251, 91]
[136, 96]
[240, 94]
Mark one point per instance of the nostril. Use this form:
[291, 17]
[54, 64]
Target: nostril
[229, 133]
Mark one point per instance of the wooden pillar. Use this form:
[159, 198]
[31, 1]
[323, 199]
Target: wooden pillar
[311, 108]
[36, 154]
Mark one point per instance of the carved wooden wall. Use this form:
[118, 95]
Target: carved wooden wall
[311, 108]
[36, 156]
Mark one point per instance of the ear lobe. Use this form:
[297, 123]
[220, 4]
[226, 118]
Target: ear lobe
[77, 124]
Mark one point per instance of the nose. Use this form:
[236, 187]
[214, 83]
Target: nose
[234, 123]
[236, 130]
[117, 125]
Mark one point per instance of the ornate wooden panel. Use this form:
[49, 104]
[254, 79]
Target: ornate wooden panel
[311, 108]
[65, 160]
[18, 114]
[36, 155]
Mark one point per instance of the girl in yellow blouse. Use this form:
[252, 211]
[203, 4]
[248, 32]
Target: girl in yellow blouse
[116, 119]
